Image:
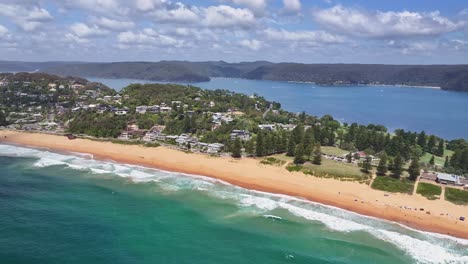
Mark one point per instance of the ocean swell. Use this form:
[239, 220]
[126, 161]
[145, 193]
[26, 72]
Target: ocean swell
[423, 247]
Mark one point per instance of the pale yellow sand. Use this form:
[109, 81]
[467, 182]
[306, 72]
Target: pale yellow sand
[249, 173]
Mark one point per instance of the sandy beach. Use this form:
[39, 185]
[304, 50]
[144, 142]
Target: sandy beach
[249, 173]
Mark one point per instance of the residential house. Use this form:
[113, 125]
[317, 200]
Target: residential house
[77, 86]
[141, 109]
[241, 134]
[160, 137]
[165, 109]
[91, 93]
[149, 136]
[215, 148]
[287, 127]
[124, 136]
[157, 129]
[270, 127]
[154, 109]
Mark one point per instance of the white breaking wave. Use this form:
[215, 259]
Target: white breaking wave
[423, 247]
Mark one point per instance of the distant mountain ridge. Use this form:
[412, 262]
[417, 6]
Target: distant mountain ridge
[448, 77]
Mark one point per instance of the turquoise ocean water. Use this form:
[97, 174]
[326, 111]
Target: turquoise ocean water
[442, 113]
[70, 208]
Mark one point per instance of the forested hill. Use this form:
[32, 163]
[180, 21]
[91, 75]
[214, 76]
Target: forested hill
[171, 71]
[22, 66]
[449, 77]
[44, 78]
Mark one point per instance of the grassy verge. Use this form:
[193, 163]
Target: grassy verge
[126, 142]
[437, 160]
[456, 196]
[389, 184]
[273, 161]
[430, 191]
[337, 170]
[329, 169]
[293, 167]
[333, 151]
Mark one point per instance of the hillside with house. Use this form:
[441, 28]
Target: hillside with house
[220, 122]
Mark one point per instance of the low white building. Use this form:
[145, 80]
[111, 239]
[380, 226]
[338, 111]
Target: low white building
[243, 135]
[141, 109]
[165, 109]
[270, 127]
[215, 148]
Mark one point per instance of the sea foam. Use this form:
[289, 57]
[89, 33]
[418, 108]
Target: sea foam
[424, 247]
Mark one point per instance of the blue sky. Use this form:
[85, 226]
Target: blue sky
[313, 31]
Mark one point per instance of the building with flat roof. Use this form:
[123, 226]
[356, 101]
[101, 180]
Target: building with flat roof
[446, 178]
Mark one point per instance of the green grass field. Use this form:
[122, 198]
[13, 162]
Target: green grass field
[389, 184]
[337, 170]
[334, 151]
[438, 160]
[329, 169]
[456, 196]
[430, 191]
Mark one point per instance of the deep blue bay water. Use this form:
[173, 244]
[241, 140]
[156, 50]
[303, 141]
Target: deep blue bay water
[70, 208]
[443, 113]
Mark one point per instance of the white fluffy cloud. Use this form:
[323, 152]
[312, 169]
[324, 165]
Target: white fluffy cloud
[115, 25]
[251, 44]
[178, 13]
[147, 5]
[292, 5]
[379, 24]
[99, 6]
[411, 47]
[258, 6]
[3, 31]
[303, 37]
[147, 37]
[221, 16]
[84, 31]
[27, 17]
[224, 16]
[230, 30]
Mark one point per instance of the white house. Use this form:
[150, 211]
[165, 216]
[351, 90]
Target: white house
[241, 134]
[215, 148]
[141, 109]
[165, 109]
[270, 127]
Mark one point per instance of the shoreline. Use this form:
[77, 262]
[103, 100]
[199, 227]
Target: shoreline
[337, 85]
[351, 196]
[143, 81]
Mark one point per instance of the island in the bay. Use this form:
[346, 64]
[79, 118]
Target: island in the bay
[409, 177]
